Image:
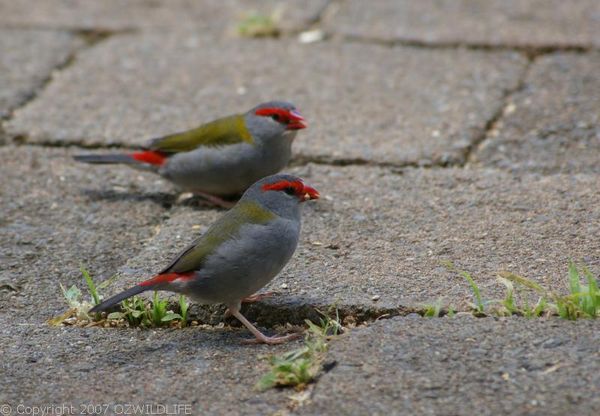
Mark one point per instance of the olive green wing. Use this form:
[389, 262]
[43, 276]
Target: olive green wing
[225, 228]
[221, 132]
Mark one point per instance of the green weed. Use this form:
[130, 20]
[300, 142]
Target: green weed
[433, 311]
[90, 284]
[299, 367]
[136, 311]
[256, 25]
[479, 305]
[582, 301]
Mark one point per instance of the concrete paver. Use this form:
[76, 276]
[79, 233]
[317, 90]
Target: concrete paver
[462, 366]
[209, 371]
[552, 125]
[28, 58]
[375, 241]
[119, 15]
[365, 102]
[53, 219]
[380, 233]
[528, 23]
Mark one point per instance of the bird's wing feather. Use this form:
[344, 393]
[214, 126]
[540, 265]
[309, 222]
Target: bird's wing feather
[221, 132]
[225, 228]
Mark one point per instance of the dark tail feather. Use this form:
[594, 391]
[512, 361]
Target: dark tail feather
[119, 297]
[114, 158]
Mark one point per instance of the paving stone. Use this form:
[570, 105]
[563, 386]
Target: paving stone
[209, 371]
[28, 58]
[377, 232]
[119, 15]
[54, 216]
[522, 23]
[365, 102]
[462, 366]
[553, 124]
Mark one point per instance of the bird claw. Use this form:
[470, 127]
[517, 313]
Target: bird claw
[213, 200]
[273, 340]
[258, 297]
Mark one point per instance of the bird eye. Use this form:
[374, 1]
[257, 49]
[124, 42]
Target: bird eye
[275, 117]
[290, 190]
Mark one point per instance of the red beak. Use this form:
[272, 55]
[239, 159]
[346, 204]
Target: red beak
[309, 192]
[297, 122]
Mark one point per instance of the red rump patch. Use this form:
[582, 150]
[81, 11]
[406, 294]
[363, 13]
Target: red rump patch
[151, 156]
[167, 278]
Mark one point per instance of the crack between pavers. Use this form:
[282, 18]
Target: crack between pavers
[315, 21]
[90, 38]
[492, 124]
[303, 160]
[530, 51]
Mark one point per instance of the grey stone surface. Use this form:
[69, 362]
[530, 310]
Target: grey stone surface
[527, 203]
[522, 23]
[365, 102]
[28, 58]
[463, 366]
[553, 124]
[53, 217]
[208, 370]
[118, 15]
[377, 232]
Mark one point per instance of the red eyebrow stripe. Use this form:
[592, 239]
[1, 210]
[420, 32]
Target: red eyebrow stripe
[278, 186]
[284, 115]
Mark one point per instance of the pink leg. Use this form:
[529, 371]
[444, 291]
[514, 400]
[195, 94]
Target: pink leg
[215, 200]
[260, 337]
[257, 297]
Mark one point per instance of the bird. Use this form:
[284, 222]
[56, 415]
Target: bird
[239, 253]
[221, 158]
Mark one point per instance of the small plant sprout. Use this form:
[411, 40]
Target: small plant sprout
[256, 25]
[479, 305]
[137, 312]
[508, 302]
[78, 308]
[583, 301]
[433, 311]
[133, 310]
[183, 310]
[299, 367]
[90, 284]
[158, 311]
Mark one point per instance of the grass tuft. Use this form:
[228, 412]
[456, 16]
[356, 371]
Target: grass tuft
[299, 367]
[581, 301]
[135, 311]
[433, 311]
[479, 305]
[90, 284]
[257, 25]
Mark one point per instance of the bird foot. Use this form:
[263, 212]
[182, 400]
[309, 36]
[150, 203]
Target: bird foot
[212, 200]
[272, 340]
[257, 297]
[260, 337]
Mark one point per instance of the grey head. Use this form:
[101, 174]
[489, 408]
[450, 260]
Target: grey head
[274, 120]
[282, 194]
